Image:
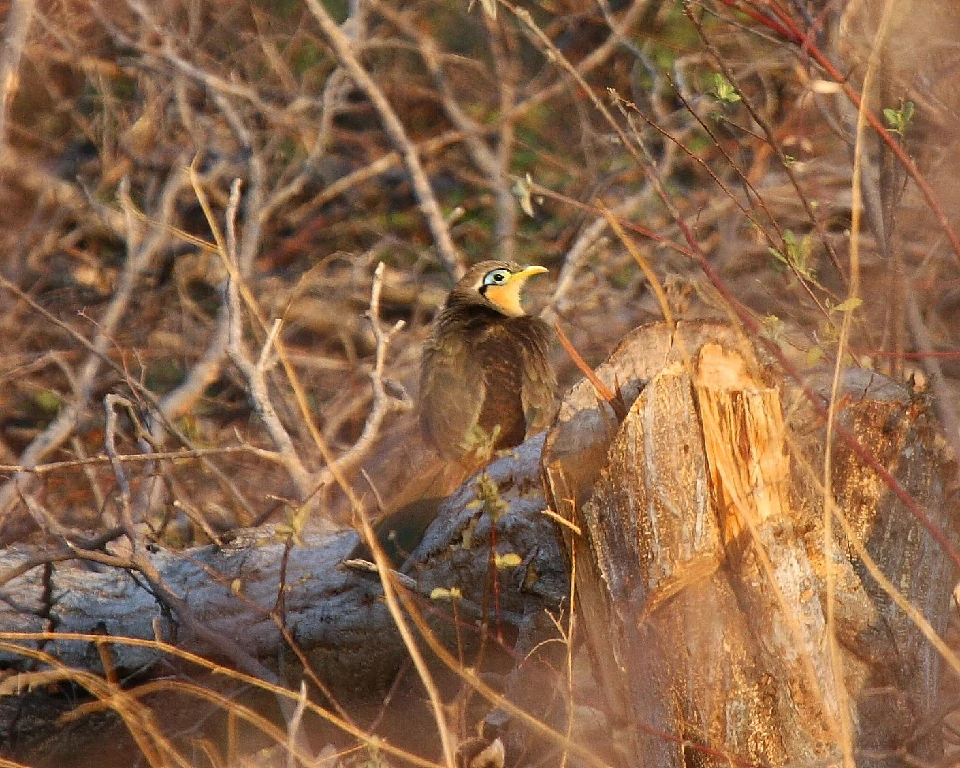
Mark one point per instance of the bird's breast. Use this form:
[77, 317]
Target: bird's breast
[501, 353]
[484, 375]
[502, 410]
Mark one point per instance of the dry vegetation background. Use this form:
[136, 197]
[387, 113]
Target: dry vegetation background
[149, 150]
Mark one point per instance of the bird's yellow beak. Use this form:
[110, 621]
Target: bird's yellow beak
[523, 274]
[507, 296]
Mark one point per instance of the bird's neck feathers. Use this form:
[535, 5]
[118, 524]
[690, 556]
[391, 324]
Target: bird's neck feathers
[464, 304]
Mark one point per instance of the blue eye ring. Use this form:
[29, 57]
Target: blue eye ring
[496, 277]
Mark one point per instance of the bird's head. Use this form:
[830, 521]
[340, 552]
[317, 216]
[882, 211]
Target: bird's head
[498, 284]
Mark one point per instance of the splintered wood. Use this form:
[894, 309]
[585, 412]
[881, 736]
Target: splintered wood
[700, 568]
[744, 437]
[746, 445]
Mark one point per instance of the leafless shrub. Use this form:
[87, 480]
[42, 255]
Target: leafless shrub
[194, 199]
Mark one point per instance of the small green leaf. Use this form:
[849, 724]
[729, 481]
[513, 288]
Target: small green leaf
[48, 401]
[796, 254]
[442, 593]
[509, 560]
[847, 306]
[723, 89]
[830, 334]
[899, 119]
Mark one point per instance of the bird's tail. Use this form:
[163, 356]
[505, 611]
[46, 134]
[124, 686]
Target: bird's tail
[418, 481]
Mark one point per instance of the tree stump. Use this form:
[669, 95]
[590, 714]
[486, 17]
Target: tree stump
[714, 628]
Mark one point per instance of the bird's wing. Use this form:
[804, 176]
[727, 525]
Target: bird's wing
[451, 394]
[539, 384]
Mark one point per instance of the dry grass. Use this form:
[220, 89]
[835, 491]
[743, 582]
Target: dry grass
[151, 151]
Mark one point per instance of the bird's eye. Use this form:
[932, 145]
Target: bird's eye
[497, 277]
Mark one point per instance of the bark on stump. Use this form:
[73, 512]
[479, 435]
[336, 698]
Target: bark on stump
[701, 577]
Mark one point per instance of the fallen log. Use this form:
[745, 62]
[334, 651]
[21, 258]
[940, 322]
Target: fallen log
[247, 591]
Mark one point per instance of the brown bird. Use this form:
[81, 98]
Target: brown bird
[485, 382]
[485, 385]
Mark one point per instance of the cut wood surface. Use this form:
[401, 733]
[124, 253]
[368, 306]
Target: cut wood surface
[701, 576]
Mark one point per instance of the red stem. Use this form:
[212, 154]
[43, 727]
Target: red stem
[789, 29]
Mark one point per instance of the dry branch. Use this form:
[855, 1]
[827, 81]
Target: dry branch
[343, 47]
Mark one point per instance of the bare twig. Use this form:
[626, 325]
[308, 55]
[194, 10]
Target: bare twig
[255, 374]
[343, 48]
[384, 403]
[111, 402]
[393, 600]
[493, 162]
[613, 399]
[791, 31]
[167, 53]
[772, 143]
[140, 254]
[17, 26]
[580, 251]
[295, 736]
[12, 642]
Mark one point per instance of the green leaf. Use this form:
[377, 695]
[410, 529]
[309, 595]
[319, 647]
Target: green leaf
[48, 401]
[509, 560]
[796, 254]
[814, 355]
[723, 89]
[899, 119]
[847, 306]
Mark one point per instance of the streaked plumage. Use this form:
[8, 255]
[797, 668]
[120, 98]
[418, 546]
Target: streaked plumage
[485, 385]
[485, 380]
